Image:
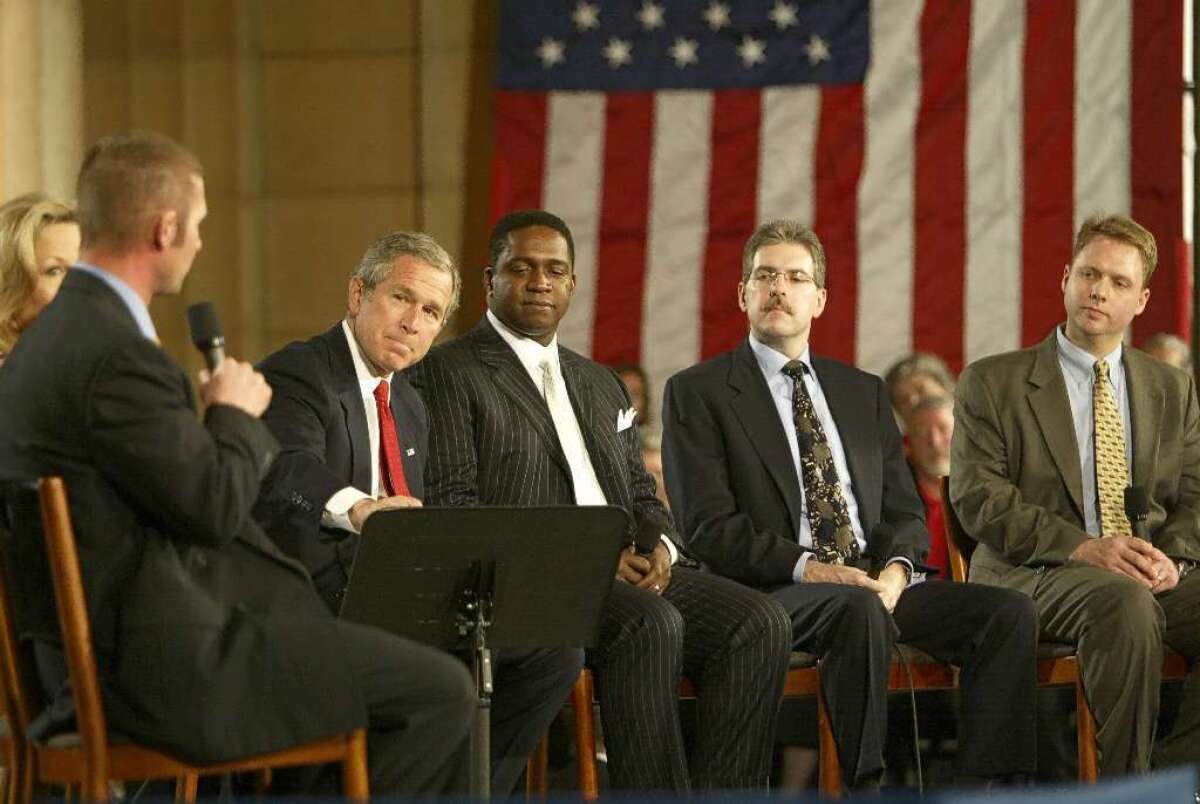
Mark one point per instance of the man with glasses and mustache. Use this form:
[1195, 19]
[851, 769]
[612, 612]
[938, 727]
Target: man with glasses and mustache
[786, 473]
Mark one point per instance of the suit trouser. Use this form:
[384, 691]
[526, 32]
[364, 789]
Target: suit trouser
[990, 633]
[731, 641]
[530, 687]
[420, 703]
[1120, 629]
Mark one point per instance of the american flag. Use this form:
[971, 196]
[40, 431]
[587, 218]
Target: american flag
[945, 151]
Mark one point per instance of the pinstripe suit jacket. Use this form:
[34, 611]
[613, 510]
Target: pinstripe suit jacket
[492, 440]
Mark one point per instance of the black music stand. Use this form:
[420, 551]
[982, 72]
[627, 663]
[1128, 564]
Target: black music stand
[477, 579]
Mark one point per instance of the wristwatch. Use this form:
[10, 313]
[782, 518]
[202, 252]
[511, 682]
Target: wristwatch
[1184, 567]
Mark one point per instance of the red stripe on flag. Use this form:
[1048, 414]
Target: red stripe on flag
[732, 213]
[520, 157]
[1155, 163]
[624, 216]
[838, 166]
[1048, 225]
[939, 181]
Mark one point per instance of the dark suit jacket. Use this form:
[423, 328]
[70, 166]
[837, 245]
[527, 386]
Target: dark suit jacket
[210, 642]
[730, 477]
[492, 440]
[1015, 478]
[317, 415]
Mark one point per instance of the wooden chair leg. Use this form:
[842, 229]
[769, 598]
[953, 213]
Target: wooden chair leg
[1085, 736]
[829, 774]
[582, 695]
[355, 786]
[185, 788]
[537, 770]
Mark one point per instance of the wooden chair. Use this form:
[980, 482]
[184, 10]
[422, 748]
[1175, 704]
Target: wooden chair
[91, 757]
[911, 669]
[1057, 663]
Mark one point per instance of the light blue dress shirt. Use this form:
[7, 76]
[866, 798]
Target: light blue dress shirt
[137, 307]
[771, 363]
[1079, 373]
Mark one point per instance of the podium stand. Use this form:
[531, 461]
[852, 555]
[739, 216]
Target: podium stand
[479, 579]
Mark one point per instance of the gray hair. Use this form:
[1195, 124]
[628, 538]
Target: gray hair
[785, 230]
[381, 257]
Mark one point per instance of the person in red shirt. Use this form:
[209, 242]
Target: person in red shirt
[927, 430]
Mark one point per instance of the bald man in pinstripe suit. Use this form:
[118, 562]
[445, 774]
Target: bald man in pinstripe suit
[516, 419]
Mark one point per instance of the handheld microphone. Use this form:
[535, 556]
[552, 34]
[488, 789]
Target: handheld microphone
[882, 540]
[649, 533]
[206, 333]
[1137, 508]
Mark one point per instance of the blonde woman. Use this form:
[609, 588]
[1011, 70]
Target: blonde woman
[39, 241]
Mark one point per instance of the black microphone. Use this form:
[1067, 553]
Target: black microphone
[1137, 508]
[651, 529]
[882, 540]
[206, 333]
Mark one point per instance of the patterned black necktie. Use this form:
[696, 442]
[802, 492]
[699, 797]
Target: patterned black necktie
[828, 518]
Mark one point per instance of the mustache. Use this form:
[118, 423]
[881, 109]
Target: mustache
[776, 303]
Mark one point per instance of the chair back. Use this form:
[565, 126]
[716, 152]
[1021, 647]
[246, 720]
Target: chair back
[958, 544]
[76, 629]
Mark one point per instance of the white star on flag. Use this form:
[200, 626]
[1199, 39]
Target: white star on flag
[753, 51]
[716, 15]
[618, 52]
[586, 16]
[551, 52]
[817, 50]
[783, 15]
[651, 15]
[684, 52]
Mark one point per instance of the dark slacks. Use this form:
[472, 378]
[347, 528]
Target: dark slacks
[992, 637]
[420, 704]
[531, 687]
[731, 641]
[1120, 629]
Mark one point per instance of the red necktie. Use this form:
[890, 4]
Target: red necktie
[391, 468]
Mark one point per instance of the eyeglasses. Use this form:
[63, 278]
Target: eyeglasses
[795, 280]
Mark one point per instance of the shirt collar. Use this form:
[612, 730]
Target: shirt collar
[771, 361]
[367, 381]
[133, 302]
[529, 352]
[1081, 362]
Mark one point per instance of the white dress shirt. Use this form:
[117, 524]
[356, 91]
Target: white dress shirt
[1077, 365]
[771, 363]
[337, 508]
[532, 355]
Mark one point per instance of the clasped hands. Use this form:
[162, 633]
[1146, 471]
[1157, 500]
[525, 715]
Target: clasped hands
[892, 579]
[1132, 557]
[651, 572]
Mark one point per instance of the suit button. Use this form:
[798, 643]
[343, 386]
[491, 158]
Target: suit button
[201, 561]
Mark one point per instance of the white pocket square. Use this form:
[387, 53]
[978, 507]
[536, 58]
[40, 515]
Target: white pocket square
[625, 419]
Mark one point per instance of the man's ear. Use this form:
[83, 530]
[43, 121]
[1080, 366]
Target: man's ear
[488, 276]
[166, 227]
[354, 294]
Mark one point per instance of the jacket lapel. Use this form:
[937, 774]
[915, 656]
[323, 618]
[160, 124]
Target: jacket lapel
[1145, 415]
[511, 378]
[1052, 410]
[348, 393]
[605, 459]
[755, 409]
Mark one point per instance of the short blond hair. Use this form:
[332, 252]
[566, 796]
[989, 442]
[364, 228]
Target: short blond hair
[126, 181]
[21, 220]
[1125, 230]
